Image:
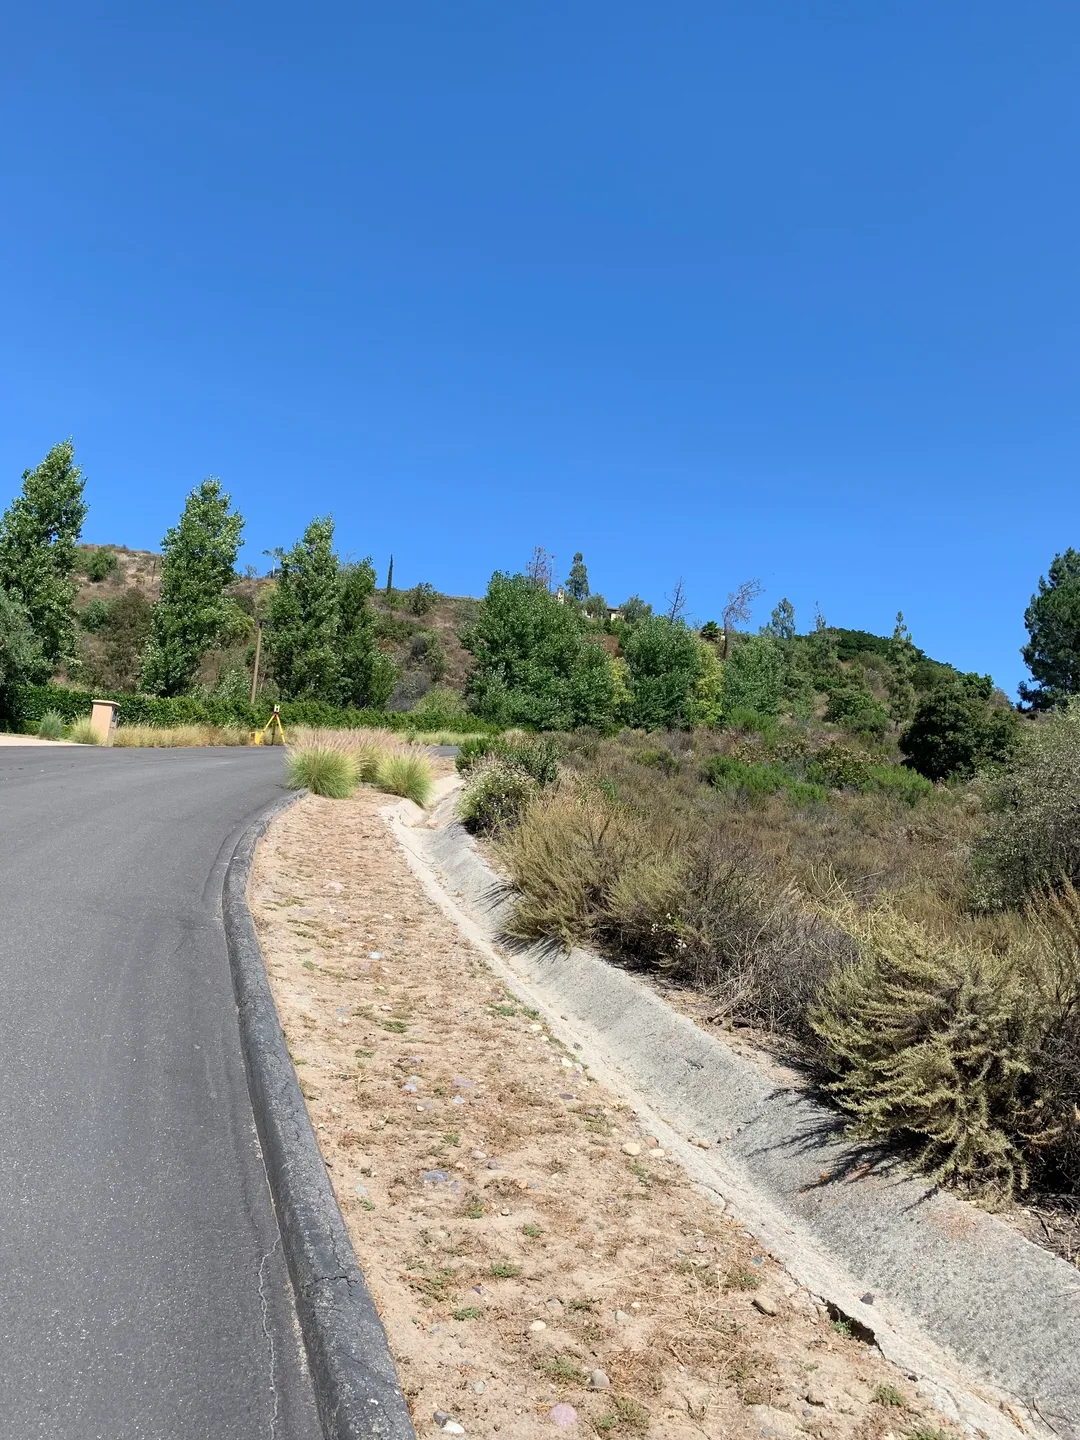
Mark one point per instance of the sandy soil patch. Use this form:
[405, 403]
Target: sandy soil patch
[538, 1261]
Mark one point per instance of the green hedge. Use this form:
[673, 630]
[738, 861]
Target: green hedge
[30, 702]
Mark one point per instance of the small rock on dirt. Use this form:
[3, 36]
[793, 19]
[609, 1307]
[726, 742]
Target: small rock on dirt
[621, 1317]
[478, 1387]
[766, 1304]
[436, 1177]
[537, 1326]
[631, 1148]
[564, 1415]
[598, 1380]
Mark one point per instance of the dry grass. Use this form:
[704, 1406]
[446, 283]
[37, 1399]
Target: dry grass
[845, 927]
[419, 1068]
[655, 889]
[155, 737]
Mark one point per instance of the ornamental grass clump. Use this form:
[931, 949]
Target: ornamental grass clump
[322, 770]
[406, 775]
[83, 733]
[51, 726]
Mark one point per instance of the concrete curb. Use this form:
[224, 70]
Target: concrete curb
[356, 1384]
[987, 1323]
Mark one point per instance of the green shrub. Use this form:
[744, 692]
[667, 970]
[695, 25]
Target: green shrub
[966, 1052]
[83, 733]
[839, 767]
[754, 677]
[407, 775]
[664, 660]
[900, 782]
[802, 793]
[756, 778]
[95, 616]
[662, 759]
[421, 598]
[730, 772]
[471, 751]
[442, 704]
[323, 770]
[1033, 839]
[51, 726]
[496, 795]
[100, 564]
[536, 661]
[852, 705]
[536, 755]
[959, 728]
[751, 722]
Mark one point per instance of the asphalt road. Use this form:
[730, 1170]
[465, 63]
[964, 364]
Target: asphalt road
[143, 1293]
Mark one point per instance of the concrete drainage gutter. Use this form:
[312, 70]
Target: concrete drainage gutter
[987, 1323]
[356, 1385]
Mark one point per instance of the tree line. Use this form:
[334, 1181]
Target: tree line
[543, 655]
[321, 637]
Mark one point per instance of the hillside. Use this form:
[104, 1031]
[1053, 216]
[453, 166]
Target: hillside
[114, 599]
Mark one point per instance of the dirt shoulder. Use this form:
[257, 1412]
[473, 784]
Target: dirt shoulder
[537, 1260]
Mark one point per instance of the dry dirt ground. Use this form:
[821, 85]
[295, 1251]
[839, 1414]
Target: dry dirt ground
[538, 1261]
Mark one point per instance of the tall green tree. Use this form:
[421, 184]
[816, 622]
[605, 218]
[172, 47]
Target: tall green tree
[194, 614]
[664, 659]
[22, 660]
[534, 662]
[755, 675]
[901, 673]
[781, 624]
[577, 582]
[38, 535]
[1053, 622]
[366, 676]
[303, 639]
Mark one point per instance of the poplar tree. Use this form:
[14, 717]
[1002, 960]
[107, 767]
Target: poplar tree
[194, 614]
[304, 618]
[366, 675]
[38, 535]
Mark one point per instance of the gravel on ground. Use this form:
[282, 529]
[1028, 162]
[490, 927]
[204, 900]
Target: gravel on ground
[538, 1261]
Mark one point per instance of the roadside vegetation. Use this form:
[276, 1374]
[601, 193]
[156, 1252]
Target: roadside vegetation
[333, 763]
[853, 847]
[916, 948]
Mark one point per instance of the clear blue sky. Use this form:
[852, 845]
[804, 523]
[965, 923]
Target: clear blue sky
[718, 290]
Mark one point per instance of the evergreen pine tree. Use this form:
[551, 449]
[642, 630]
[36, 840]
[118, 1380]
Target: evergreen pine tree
[577, 582]
[901, 672]
[781, 624]
[1053, 622]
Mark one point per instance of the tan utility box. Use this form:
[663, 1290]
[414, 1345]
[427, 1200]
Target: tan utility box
[103, 720]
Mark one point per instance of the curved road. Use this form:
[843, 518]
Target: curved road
[143, 1294]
